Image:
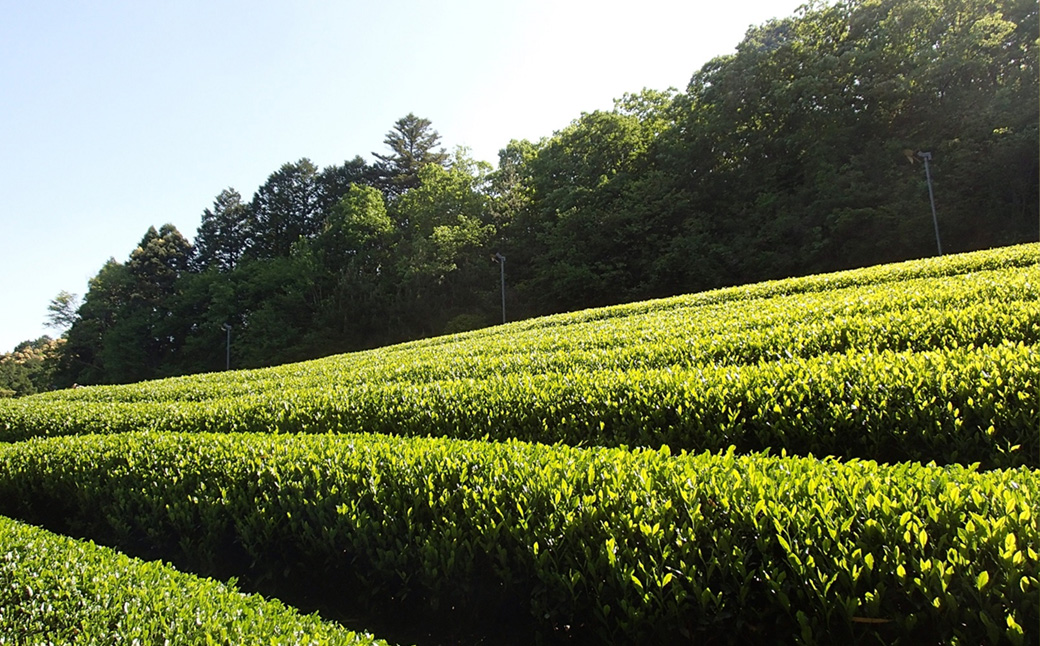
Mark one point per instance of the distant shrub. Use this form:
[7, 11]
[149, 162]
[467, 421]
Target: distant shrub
[465, 323]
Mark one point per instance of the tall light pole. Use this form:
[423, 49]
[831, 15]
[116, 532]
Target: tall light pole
[501, 260]
[927, 157]
[227, 361]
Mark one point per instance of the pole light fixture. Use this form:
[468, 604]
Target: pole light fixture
[927, 157]
[501, 260]
[227, 360]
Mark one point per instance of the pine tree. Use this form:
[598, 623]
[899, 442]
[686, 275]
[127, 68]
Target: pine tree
[413, 143]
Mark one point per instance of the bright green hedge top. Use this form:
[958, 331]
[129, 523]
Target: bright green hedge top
[634, 545]
[931, 360]
[958, 405]
[971, 299]
[56, 590]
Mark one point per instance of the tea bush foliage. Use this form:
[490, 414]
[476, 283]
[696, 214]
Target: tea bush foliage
[631, 545]
[56, 590]
[842, 458]
[878, 364]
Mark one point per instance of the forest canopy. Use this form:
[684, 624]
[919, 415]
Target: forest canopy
[796, 154]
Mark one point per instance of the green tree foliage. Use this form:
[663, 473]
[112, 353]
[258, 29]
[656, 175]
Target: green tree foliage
[14, 380]
[30, 367]
[275, 303]
[441, 254]
[157, 262]
[350, 259]
[357, 223]
[145, 334]
[286, 208]
[125, 330]
[336, 181]
[590, 230]
[61, 312]
[221, 237]
[107, 293]
[413, 144]
[794, 145]
[204, 302]
[796, 154]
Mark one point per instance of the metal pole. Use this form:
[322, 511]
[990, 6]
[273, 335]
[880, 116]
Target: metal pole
[931, 197]
[227, 361]
[501, 260]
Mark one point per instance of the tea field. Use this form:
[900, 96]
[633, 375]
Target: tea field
[851, 457]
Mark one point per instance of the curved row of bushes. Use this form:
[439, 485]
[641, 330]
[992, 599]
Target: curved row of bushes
[56, 590]
[963, 404]
[615, 545]
[929, 361]
[985, 307]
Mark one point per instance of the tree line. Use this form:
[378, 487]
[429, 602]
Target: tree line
[796, 154]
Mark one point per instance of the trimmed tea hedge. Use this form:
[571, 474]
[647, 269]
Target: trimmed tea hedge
[958, 405]
[927, 361]
[614, 545]
[55, 590]
[932, 360]
[982, 308]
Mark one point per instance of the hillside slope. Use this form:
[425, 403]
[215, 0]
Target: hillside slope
[926, 360]
[687, 506]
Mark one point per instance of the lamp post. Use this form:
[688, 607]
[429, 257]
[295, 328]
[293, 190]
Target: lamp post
[227, 361]
[927, 157]
[501, 260]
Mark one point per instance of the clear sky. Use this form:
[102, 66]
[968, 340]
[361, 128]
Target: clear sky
[117, 115]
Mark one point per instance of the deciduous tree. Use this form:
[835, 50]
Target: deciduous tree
[61, 312]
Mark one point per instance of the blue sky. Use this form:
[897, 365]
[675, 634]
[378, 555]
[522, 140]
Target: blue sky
[116, 116]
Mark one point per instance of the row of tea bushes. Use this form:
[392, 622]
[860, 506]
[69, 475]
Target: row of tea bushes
[927, 360]
[617, 546]
[961, 404]
[56, 590]
[981, 308]
[1017, 256]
